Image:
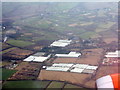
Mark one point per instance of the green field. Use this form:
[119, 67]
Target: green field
[19, 43]
[88, 35]
[3, 63]
[26, 84]
[71, 86]
[4, 46]
[7, 50]
[37, 84]
[104, 26]
[86, 23]
[56, 85]
[6, 73]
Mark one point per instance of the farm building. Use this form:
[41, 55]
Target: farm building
[81, 66]
[112, 58]
[71, 54]
[37, 58]
[62, 65]
[58, 68]
[61, 43]
[115, 54]
[39, 54]
[75, 68]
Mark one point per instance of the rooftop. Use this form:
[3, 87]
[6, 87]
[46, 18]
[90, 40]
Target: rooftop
[113, 54]
[57, 68]
[36, 58]
[77, 68]
[71, 54]
[61, 43]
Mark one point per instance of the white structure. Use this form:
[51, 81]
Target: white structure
[62, 65]
[57, 68]
[88, 71]
[5, 39]
[71, 54]
[61, 43]
[36, 58]
[28, 59]
[92, 67]
[39, 54]
[77, 70]
[40, 59]
[80, 66]
[113, 54]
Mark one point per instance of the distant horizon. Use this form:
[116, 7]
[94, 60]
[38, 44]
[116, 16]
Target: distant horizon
[59, 1]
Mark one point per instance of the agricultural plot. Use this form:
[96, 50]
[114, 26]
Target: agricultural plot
[71, 86]
[86, 23]
[16, 53]
[109, 40]
[37, 84]
[25, 84]
[88, 35]
[40, 23]
[34, 47]
[27, 71]
[74, 78]
[19, 43]
[4, 63]
[6, 73]
[5, 46]
[7, 50]
[65, 60]
[55, 85]
[90, 56]
[104, 26]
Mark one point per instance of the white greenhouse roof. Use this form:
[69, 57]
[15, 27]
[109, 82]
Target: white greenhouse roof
[77, 70]
[30, 58]
[57, 68]
[65, 41]
[39, 54]
[88, 71]
[40, 59]
[36, 58]
[61, 43]
[81, 66]
[71, 54]
[62, 65]
[92, 67]
[113, 54]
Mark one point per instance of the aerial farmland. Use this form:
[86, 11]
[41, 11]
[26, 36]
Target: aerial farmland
[58, 45]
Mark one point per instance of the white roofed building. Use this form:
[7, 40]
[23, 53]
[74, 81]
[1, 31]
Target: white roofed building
[71, 54]
[62, 64]
[30, 58]
[81, 66]
[113, 54]
[71, 67]
[77, 70]
[57, 68]
[61, 43]
[112, 58]
[36, 58]
[92, 67]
